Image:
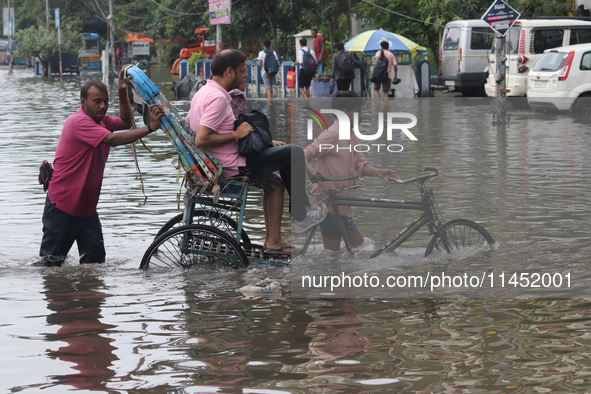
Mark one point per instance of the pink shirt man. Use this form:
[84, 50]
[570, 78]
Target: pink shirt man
[391, 60]
[330, 162]
[211, 108]
[80, 162]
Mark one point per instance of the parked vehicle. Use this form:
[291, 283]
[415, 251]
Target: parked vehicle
[69, 64]
[463, 55]
[89, 58]
[561, 80]
[526, 41]
[5, 53]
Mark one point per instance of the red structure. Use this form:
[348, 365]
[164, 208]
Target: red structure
[201, 45]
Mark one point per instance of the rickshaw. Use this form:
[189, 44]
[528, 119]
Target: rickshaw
[206, 231]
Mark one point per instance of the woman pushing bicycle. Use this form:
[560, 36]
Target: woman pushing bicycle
[340, 163]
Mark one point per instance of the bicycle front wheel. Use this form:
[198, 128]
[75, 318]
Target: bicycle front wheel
[461, 234]
[194, 245]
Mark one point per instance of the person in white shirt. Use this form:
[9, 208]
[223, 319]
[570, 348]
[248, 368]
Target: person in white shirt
[267, 79]
[305, 77]
[386, 82]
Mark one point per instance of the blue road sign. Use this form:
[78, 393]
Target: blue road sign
[57, 18]
[500, 17]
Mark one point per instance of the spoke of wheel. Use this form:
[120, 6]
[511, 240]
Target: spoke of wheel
[154, 257]
[173, 251]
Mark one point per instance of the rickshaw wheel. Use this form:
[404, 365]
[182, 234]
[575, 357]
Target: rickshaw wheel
[194, 245]
[211, 218]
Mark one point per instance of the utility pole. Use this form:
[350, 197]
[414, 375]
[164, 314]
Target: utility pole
[59, 38]
[349, 22]
[112, 35]
[47, 13]
[11, 31]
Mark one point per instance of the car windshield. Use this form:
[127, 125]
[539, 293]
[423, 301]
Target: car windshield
[551, 61]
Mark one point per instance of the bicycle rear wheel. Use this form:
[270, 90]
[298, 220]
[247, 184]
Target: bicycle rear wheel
[194, 245]
[209, 218]
[462, 234]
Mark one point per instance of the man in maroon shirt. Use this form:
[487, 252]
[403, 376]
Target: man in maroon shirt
[82, 151]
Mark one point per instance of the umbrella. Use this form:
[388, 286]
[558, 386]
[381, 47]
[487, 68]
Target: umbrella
[369, 42]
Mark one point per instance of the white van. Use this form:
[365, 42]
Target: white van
[463, 55]
[526, 42]
[561, 80]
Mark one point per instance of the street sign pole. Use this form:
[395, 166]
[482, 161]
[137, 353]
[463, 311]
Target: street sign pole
[219, 13]
[500, 79]
[112, 36]
[500, 17]
[218, 38]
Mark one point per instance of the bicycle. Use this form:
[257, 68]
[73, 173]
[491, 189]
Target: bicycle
[456, 234]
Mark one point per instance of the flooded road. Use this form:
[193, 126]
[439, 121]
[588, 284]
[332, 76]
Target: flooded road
[117, 329]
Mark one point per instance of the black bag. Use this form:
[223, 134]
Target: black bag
[271, 66]
[45, 174]
[380, 71]
[309, 63]
[260, 138]
[345, 64]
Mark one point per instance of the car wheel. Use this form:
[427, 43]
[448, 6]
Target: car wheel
[582, 107]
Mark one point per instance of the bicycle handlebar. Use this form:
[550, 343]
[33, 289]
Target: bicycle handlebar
[399, 182]
[421, 178]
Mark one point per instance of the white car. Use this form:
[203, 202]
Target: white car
[561, 80]
[526, 42]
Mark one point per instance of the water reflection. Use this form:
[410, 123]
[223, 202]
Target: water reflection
[75, 304]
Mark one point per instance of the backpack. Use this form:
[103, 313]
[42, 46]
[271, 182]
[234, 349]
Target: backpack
[345, 64]
[380, 71]
[309, 63]
[271, 66]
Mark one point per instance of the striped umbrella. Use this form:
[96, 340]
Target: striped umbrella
[369, 42]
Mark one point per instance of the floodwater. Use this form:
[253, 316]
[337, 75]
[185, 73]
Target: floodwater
[116, 329]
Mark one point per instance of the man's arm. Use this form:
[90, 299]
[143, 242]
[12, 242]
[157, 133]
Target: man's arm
[208, 138]
[395, 64]
[334, 67]
[298, 58]
[129, 136]
[124, 107]
[357, 61]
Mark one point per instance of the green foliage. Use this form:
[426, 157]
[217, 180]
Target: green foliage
[253, 21]
[32, 13]
[194, 57]
[44, 44]
[530, 8]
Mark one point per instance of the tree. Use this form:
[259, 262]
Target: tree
[430, 16]
[38, 41]
[333, 14]
[424, 20]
